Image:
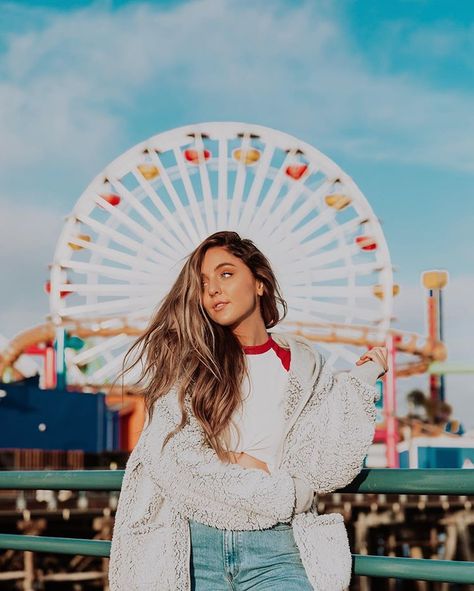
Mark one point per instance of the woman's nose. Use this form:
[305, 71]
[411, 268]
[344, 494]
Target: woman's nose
[213, 288]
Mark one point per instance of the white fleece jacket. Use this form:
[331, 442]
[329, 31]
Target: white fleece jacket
[329, 428]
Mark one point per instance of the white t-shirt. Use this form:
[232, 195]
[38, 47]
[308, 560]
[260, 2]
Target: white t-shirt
[260, 420]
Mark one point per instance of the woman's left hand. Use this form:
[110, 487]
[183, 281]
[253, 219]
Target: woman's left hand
[378, 355]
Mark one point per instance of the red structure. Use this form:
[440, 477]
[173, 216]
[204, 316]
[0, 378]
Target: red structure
[434, 282]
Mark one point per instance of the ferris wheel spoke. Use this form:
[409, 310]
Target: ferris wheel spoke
[126, 321]
[318, 263]
[169, 240]
[84, 357]
[134, 226]
[106, 308]
[271, 196]
[306, 315]
[334, 255]
[239, 182]
[105, 271]
[346, 230]
[250, 206]
[115, 255]
[316, 274]
[331, 355]
[327, 218]
[206, 188]
[222, 184]
[284, 210]
[313, 200]
[328, 244]
[139, 248]
[288, 230]
[183, 216]
[329, 291]
[301, 268]
[112, 289]
[193, 202]
[298, 316]
[339, 309]
[346, 354]
[294, 226]
[108, 371]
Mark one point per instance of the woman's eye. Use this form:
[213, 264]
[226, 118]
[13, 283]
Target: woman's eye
[204, 283]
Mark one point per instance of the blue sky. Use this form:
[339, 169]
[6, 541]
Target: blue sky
[386, 89]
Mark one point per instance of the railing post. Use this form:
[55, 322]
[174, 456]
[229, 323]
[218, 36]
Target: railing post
[390, 406]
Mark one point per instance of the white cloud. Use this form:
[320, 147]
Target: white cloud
[67, 83]
[439, 39]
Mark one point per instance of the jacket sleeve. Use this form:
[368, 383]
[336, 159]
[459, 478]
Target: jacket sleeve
[332, 435]
[202, 487]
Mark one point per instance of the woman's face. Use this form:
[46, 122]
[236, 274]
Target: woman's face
[230, 293]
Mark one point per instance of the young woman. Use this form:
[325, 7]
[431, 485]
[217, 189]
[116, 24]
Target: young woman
[243, 427]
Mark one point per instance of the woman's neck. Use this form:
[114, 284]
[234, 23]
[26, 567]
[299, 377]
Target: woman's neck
[252, 337]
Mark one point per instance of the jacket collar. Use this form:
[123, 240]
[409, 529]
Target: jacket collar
[305, 361]
[305, 367]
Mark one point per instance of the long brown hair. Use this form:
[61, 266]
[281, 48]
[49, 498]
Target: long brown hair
[182, 346]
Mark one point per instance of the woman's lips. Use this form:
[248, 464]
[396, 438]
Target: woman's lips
[220, 306]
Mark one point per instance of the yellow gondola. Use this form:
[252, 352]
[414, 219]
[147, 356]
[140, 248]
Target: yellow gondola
[247, 157]
[149, 171]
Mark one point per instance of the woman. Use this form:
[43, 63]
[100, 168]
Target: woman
[243, 428]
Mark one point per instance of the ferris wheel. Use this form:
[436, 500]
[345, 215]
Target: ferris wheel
[129, 233]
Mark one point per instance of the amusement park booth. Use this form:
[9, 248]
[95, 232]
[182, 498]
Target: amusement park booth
[34, 418]
[436, 452]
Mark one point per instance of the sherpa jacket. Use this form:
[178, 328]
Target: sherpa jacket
[329, 427]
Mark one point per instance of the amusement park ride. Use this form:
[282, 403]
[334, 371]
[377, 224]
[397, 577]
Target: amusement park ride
[128, 234]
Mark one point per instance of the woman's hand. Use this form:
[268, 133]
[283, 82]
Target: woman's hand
[378, 355]
[248, 461]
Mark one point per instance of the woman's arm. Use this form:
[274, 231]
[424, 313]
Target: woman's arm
[248, 461]
[203, 488]
[331, 438]
[303, 490]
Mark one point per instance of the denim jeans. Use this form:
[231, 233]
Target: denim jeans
[258, 560]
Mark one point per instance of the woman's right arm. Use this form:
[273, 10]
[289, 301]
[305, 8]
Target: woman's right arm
[202, 487]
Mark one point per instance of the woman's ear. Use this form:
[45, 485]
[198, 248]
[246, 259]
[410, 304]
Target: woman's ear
[260, 288]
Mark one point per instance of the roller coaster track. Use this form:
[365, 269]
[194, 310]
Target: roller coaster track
[422, 349]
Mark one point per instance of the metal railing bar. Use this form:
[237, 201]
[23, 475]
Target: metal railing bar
[422, 569]
[449, 481]
[419, 481]
[55, 545]
[106, 480]
[373, 566]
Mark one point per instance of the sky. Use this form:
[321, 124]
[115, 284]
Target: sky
[385, 89]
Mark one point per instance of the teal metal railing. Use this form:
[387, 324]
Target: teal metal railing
[426, 482]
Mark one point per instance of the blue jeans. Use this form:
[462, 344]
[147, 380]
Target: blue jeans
[258, 560]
